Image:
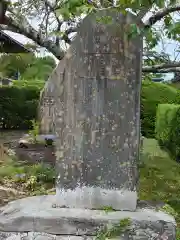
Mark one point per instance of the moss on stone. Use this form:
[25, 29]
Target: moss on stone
[169, 210]
[113, 231]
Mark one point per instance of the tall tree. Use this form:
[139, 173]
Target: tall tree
[52, 23]
[40, 68]
[11, 63]
[27, 64]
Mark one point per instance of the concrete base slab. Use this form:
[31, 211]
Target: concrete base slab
[96, 197]
[35, 215]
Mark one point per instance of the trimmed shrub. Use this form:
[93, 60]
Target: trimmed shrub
[18, 106]
[153, 94]
[31, 83]
[18, 103]
[168, 128]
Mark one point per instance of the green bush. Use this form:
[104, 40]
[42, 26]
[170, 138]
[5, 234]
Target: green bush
[29, 83]
[153, 94]
[168, 128]
[18, 106]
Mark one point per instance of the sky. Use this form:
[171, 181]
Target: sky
[168, 46]
[165, 45]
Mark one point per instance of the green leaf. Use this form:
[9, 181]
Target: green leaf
[133, 31]
[56, 33]
[152, 38]
[167, 21]
[64, 12]
[83, 9]
[173, 31]
[159, 3]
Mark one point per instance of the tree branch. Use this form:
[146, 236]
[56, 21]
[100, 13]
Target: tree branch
[143, 11]
[153, 70]
[162, 68]
[53, 8]
[160, 14]
[23, 27]
[59, 22]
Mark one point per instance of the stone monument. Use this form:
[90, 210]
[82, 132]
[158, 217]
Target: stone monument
[98, 126]
[95, 114]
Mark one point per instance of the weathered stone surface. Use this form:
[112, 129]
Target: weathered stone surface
[36, 214]
[39, 236]
[9, 194]
[46, 104]
[93, 101]
[140, 234]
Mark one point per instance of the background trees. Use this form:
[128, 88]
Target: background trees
[52, 24]
[27, 65]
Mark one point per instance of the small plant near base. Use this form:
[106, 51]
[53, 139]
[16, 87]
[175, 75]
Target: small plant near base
[169, 210]
[49, 142]
[113, 231]
[178, 234]
[107, 209]
[31, 183]
[34, 132]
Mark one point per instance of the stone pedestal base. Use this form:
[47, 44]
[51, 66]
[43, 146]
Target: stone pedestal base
[96, 198]
[34, 218]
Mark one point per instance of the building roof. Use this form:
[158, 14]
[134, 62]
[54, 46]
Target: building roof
[10, 45]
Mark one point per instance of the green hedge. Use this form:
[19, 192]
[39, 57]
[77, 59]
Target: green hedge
[18, 106]
[31, 83]
[153, 94]
[168, 128]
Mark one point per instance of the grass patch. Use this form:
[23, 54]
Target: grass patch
[36, 179]
[160, 177]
